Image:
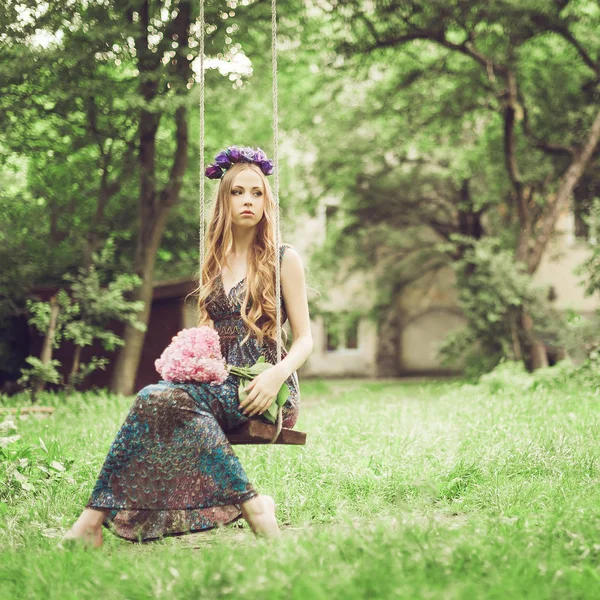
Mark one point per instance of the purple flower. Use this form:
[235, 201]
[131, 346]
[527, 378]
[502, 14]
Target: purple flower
[266, 166]
[259, 156]
[214, 172]
[222, 160]
[234, 153]
[247, 154]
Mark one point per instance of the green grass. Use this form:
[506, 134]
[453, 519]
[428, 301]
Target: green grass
[404, 490]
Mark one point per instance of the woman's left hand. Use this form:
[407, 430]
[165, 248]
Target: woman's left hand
[262, 391]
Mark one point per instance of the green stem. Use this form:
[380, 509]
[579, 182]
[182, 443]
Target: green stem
[240, 371]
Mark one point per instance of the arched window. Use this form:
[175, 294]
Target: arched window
[341, 330]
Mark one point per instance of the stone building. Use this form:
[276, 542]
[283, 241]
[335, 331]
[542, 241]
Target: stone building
[424, 313]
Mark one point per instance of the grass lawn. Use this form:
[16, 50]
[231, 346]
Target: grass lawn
[404, 490]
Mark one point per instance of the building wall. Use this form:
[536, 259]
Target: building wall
[344, 362]
[428, 309]
[422, 336]
[349, 292]
[564, 255]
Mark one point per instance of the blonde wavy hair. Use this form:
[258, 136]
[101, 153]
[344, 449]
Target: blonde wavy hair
[261, 317]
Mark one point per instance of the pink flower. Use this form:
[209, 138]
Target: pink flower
[193, 355]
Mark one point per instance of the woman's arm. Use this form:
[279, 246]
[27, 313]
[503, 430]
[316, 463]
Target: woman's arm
[293, 287]
[262, 390]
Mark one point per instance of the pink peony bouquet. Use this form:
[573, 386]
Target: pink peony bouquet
[195, 355]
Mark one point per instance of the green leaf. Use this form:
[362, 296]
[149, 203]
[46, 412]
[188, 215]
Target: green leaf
[271, 413]
[260, 366]
[242, 393]
[282, 395]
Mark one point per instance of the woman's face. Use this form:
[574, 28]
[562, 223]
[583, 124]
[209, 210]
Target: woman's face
[247, 193]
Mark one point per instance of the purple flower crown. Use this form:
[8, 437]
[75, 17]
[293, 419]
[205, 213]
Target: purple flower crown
[233, 154]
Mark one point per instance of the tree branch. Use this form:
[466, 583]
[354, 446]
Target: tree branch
[547, 147]
[510, 151]
[170, 193]
[561, 28]
[568, 182]
[438, 36]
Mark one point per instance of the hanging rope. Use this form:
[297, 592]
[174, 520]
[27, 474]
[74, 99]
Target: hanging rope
[201, 142]
[276, 177]
[276, 194]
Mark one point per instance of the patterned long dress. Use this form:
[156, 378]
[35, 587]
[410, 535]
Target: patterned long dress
[170, 469]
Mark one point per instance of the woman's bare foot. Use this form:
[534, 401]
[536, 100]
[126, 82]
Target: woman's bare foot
[259, 512]
[87, 529]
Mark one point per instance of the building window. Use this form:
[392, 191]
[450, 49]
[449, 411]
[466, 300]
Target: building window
[341, 330]
[352, 332]
[332, 333]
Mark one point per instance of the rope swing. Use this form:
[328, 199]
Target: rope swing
[259, 429]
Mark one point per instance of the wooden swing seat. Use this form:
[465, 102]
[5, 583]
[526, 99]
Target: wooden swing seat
[258, 432]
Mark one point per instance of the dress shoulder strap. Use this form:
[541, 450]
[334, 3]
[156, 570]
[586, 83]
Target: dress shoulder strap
[282, 248]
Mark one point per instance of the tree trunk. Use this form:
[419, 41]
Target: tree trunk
[128, 358]
[531, 248]
[153, 219]
[568, 182]
[388, 343]
[74, 370]
[514, 331]
[154, 205]
[536, 356]
[46, 355]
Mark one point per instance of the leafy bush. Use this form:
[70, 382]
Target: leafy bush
[493, 292]
[581, 336]
[40, 371]
[508, 374]
[83, 316]
[27, 468]
[512, 376]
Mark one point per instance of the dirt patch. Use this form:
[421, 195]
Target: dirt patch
[236, 534]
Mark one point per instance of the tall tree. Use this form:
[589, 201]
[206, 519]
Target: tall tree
[133, 64]
[162, 55]
[521, 74]
[99, 105]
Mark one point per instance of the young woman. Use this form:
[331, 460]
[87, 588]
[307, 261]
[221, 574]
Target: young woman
[170, 469]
